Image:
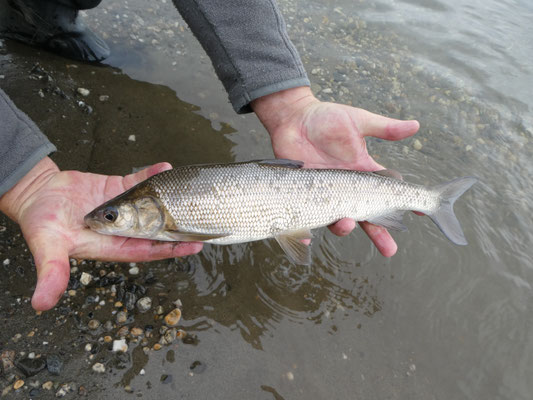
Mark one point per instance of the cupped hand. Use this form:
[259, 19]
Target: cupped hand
[50, 206]
[329, 135]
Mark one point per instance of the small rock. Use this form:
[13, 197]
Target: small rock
[48, 385]
[157, 346]
[93, 324]
[123, 332]
[35, 392]
[417, 144]
[131, 138]
[85, 278]
[136, 332]
[169, 336]
[107, 339]
[173, 317]
[197, 367]
[99, 367]
[88, 347]
[7, 357]
[17, 337]
[181, 334]
[18, 384]
[30, 366]
[159, 310]
[84, 92]
[7, 261]
[290, 376]
[142, 372]
[82, 391]
[327, 91]
[103, 98]
[144, 304]
[129, 300]
[72, 293]
[122, 317]
[120, 345]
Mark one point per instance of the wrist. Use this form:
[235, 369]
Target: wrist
[273, 109]
[12, 202]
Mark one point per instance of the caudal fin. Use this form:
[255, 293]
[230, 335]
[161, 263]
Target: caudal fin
[444, 217]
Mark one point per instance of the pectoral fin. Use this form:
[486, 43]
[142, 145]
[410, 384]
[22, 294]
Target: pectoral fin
[179, 236]
[290, 242]
[391, 221]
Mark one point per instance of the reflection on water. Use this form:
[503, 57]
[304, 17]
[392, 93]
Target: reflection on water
[436, 320]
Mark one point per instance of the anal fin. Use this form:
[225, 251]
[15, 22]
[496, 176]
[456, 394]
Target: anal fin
[391, 221]
[290, 242]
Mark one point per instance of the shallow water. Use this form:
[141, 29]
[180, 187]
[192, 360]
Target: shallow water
[436, 320]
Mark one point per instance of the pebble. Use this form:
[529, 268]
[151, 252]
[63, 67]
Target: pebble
[7, 261]
[173, 317]
[144, 304]
[107, 339]
[93, 324]
[84, 92]
[157, 346]
[290, 376]
[99, 367]
[197, 367]
[131, 138]
[120, 345]
[122, 317]
[48, 385]
[103, 97]
[17, 337]
[18, 384]
[72, 293]
[142, 372]
[30, 366]
[159, 310]
[7, 357]
[169, 336]
[417, 144]
[123, 332]
[327, 91]
[85, 278]
[135, 332]
[88, 347]
[129, 300]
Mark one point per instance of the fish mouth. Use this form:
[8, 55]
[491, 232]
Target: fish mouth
[92, 221]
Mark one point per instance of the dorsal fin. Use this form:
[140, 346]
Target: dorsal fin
[281, 162]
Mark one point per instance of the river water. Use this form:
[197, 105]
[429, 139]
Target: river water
[434, 321]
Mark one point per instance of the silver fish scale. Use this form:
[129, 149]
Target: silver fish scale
[251, 201]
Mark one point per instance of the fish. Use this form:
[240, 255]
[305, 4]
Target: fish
[256, 200]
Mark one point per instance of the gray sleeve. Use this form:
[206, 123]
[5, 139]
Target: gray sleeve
[248, 45]
[22, 144]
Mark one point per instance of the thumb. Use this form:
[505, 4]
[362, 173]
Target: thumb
[133, 179]
[53, 271]
[385, 128]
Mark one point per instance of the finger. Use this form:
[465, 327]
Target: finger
[381, 238]
[114, 248]
[53, 271]
[342, 227]
[133, 179]
[386, 128]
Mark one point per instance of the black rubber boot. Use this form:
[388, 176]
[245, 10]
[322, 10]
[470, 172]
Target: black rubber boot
[53, 25]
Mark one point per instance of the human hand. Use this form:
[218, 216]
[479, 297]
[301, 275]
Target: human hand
[329, 135]
[49, 205]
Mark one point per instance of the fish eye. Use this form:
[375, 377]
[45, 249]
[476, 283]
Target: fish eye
[110, 214]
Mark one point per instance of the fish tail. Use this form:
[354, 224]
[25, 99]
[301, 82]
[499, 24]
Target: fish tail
[444, 217]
